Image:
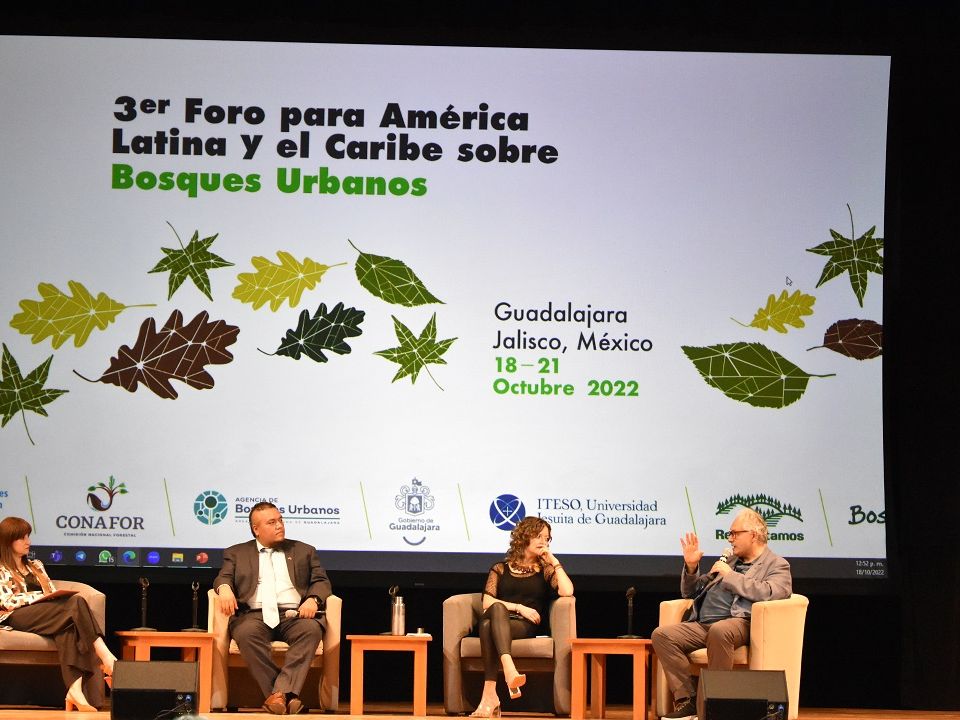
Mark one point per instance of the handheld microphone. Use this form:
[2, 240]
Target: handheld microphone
[724, 558]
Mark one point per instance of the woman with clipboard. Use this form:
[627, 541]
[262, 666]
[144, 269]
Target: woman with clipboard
[29, 602]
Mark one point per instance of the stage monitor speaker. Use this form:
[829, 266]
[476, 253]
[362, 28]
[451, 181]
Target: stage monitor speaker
[148, 689]
[742, 695]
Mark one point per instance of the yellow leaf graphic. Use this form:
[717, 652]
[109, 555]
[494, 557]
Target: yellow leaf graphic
[275, 283]
[58, 316]
[783, 311]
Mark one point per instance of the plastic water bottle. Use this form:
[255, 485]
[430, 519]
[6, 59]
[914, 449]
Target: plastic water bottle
[398, 617]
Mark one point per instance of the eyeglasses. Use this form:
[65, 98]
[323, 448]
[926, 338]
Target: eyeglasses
[733, 533]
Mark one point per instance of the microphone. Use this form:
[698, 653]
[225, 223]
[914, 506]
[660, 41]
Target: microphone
[724, 558]
[291, 614]
[631, 592]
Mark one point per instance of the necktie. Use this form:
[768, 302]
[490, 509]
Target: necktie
[268, 590]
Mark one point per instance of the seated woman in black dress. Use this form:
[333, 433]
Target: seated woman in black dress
[67, 620]
[515, 601]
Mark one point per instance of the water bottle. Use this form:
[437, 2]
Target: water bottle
[398, 617]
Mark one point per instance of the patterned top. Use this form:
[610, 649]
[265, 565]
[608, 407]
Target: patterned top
[14, 592]
[535, 587]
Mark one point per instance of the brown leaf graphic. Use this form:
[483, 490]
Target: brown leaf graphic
[860, 339]
[177, 352]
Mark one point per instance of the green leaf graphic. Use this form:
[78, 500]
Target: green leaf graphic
[19, 394]
[415, 353]
[192, 261]
[275, 283]
[750, 373]
[391, 280]
[855, 338]
[324, 331]
[858, 257]
[58, 315]
[782, 311]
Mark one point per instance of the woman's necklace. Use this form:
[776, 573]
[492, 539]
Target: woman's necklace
[524, 569]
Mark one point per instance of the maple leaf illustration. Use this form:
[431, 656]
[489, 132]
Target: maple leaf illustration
[857, 257]
[19, 394]
[780, 312]
[176, 352]
[191, 261]
[324, 331]
[751, 373]
[855, 338]
[59, 316]
[391, 280]
[275, 283]
[415, 353]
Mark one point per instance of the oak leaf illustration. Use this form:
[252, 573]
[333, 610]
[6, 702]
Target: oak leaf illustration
[19, 394]
[780, 312]
[275, 283]
[192, 261]
[176, 352]
[415, 353]
[324, 331]
[857, 257]
[859, 339]
[391, 280]
[59, 316]
[750, 373]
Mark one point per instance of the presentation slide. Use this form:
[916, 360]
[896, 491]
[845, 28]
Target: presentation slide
[412, 295]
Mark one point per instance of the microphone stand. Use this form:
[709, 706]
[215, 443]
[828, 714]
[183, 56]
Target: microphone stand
[144, 584]
[195, 586]
[629, 636]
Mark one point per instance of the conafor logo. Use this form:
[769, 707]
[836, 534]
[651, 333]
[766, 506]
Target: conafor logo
[100, 496]
[769, 508]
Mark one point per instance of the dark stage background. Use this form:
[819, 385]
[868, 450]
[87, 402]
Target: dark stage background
[893, 644]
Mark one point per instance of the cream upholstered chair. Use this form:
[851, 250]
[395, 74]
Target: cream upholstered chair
[234, 687]
[541, 655]
[776, 643]
[23, 648]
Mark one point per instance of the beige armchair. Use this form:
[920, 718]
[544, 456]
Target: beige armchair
[776, 643]
[23, 648]
[233, 686]
[545, 656]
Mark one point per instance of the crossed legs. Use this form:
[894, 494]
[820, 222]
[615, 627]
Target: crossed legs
[673, 642]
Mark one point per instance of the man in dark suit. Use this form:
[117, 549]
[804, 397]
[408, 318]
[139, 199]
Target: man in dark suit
[274, 589]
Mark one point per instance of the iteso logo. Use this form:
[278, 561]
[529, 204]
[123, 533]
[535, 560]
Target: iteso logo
[506, 511]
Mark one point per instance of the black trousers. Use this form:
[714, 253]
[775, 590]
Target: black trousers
[253, 637]
[69, 621]
[497, 631]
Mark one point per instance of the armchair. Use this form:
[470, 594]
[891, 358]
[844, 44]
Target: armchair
[24, 648]
[547, 657]
[232, 685]
[776, 643]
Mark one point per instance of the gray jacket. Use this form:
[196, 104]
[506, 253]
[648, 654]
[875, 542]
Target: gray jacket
[768, 578]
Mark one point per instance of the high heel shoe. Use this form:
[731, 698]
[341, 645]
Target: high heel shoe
[71, 703]
[514, 686]
[486, 711]
[107, 676]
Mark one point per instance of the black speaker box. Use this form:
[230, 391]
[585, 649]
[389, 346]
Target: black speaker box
[742, 695]
[145, 689]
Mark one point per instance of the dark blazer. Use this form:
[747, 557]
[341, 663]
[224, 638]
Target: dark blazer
[241, 570]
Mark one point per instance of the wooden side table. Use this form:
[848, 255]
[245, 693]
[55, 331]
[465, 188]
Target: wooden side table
[598, 649]
[137, 644]
[417, 644]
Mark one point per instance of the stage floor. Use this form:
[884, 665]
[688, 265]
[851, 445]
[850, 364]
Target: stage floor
[396, 711]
